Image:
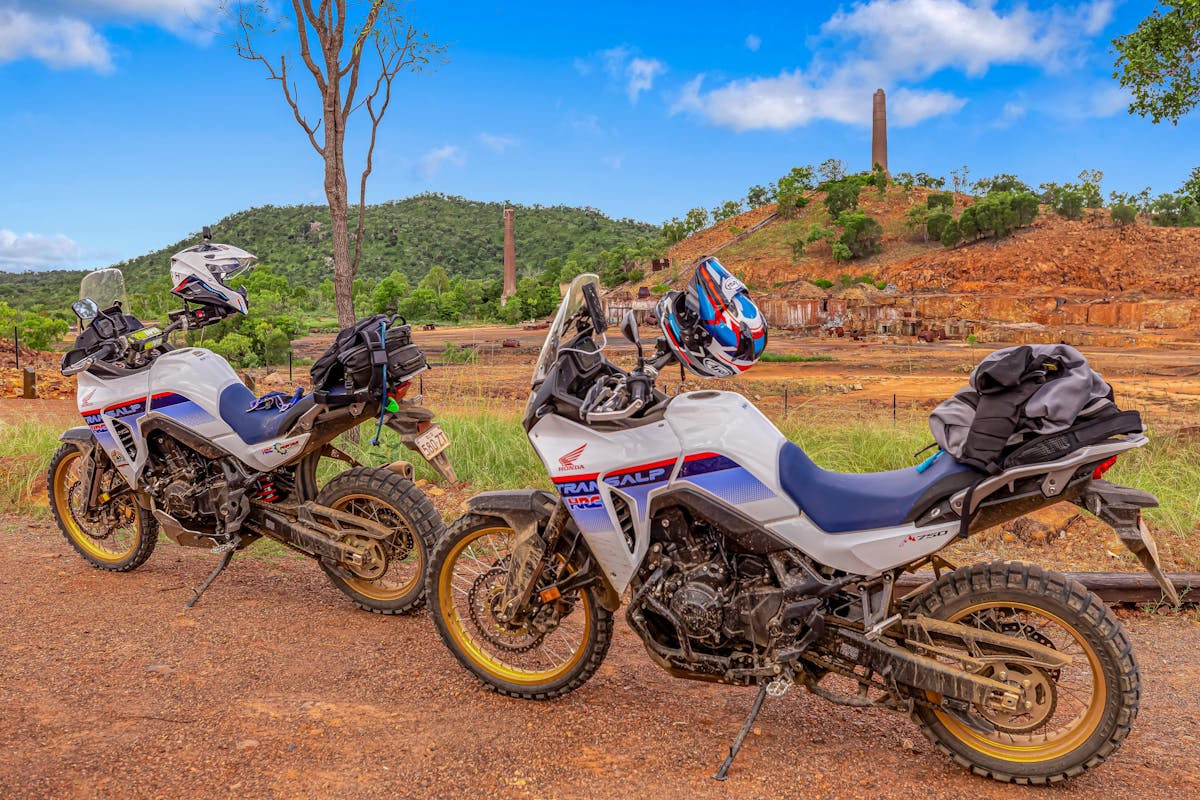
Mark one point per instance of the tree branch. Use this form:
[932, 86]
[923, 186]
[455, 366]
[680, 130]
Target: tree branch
[305, 53]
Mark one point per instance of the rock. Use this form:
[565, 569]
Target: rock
[160, 669]
[247, 744]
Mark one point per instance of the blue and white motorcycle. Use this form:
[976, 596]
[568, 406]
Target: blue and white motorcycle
[745, 563]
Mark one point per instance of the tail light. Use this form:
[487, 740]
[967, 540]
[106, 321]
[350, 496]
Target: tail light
[1098, 473]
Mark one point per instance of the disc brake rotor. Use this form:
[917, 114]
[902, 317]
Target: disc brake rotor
[483, 600]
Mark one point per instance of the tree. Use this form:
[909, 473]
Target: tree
[841, 196]
[862, 235]
[758, 196]
[695, 220]
[959, 177]
[336, 67]
[832, 169]
[1004, 182]
[789, 194]
[1191, 187]
[1159, 62]
[727, 210]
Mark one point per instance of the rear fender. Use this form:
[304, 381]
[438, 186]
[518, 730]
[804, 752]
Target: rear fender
[527, 512]
[1120, 507]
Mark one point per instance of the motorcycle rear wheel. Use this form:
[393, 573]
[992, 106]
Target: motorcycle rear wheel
[1078, 715]
[119, 544]
[382, 496]
[466, 574]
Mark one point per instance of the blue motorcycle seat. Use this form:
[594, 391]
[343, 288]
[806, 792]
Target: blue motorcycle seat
[843, 502]
[253, 427]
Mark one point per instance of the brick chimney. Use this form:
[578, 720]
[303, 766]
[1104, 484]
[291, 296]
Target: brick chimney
[879, 132]
[510, 258]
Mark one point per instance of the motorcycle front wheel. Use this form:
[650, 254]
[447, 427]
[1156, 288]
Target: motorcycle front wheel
[1071, 719]
[393, 501]
[551, 651]
[117, 537]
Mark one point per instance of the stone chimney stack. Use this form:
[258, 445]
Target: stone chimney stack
[510, 258]
[879, 132]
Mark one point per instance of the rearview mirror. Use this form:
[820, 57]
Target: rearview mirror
[629, 328]
[85, 309]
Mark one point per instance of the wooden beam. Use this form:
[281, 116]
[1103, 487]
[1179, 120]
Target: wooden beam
[1114, 588]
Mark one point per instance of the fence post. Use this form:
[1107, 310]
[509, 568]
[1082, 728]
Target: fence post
[29, 384]
[785, 402]
[893, 409]
[289, 365]
[16, 347]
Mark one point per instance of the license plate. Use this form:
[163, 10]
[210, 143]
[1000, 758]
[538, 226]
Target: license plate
[431, 441]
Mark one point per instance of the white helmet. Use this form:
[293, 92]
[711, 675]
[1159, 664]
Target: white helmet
[200, 274]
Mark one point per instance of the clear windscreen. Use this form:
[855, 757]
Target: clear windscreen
[567, 309]
[104, 287]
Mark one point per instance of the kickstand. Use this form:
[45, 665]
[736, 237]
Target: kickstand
[208, 582]
[722, 773]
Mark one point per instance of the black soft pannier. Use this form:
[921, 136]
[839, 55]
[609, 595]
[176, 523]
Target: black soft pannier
[352, 369]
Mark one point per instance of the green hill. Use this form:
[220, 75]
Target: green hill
[410, 236]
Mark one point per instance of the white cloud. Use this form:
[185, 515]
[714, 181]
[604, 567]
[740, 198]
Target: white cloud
[1011, 113]
[33, 251]
[623, 64]
[58, 42]
[497, 143]
[792, 99]
[898, 44]
[908, 107]
[753, 42]
[63, 33]
[641, 73]
[432, 161]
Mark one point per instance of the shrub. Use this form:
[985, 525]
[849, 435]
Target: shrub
[818, 232]
[936, 224]
[840, 197]
[861, 234]
[951, 235]
[236, 349]
[944, 200]
[1124, 213]
[635, 275]
[1069, 204]
[758, 196]
[832, 169]
[456, 354]
[797, 246]
[822, 283]
[1175, 210]
[660, 288]
[1001, 183]
[915, 220]
[881, 285]
[841, 252]
[727, 210]
[37, 332]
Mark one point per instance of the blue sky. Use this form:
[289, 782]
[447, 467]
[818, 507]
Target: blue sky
[125, 126]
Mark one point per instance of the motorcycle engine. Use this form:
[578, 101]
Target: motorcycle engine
[713, 593]
[180, 482]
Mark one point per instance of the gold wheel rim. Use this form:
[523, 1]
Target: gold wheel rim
[402, 540]
[1035, 747]
[66, 482]
[474, 649]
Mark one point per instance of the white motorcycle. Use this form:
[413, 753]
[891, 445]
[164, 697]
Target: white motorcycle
[747, 564]
[176, 442]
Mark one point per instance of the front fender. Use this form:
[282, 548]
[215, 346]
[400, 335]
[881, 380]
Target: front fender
[81, 436]
[526, 512]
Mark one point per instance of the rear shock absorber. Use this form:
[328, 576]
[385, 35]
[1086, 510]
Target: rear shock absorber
[266, 489]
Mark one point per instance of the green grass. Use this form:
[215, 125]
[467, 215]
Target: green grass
[490, 451]
[793, 358]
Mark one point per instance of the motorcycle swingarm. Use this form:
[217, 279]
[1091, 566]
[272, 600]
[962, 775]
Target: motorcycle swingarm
[315, 530]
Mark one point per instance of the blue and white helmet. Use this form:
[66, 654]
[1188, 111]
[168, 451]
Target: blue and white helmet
[200, 275]
[713, 326]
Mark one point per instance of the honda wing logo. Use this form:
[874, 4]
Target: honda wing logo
[566, 462]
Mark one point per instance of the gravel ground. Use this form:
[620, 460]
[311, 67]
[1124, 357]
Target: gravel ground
[275, 686]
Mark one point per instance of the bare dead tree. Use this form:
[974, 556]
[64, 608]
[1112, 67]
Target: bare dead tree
[378, 30]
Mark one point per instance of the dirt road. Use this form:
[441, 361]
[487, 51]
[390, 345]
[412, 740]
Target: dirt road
[275, 686]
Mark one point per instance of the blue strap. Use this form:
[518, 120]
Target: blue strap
[927, 463]
[384, 390]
